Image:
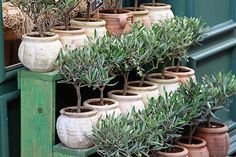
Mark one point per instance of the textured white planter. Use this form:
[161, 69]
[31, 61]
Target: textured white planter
[105, 109]
[39, 53]
[147, 92]
[159, 12]
[91, 26]
[72, 38]
[75, 129]
[126, 103]
[170, 85]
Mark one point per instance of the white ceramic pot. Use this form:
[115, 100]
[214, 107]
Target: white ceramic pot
[39, 53]
[128, 102]
[91, 26]
[148, 91]
[103, 110]
[75, 129]
[184, 74]
[170, 84]
[141, 15]
[159, 12]
[73, 38]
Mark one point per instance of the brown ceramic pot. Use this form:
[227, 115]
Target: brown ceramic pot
[178, 151]
[117, 24]
[197, 148]
[217, 139]
[141, 15]
[184, 74]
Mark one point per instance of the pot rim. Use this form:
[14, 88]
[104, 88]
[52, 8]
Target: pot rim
[141, 11]
[202, 144]
[101, 107]
[81, 21]
[189, 73]
[185, 151]
[162, 6]
[153, 86]
[80, 30]
[222, 129]
[114, 16]
[53, 36]
[175, 78]
[78, 115]
[122, 97]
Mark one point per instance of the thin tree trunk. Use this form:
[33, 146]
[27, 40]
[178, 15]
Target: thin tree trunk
[66, 23]
[88, 11]
[135, 5]
[163, 71]
[209, 120]
[77, 87]
[191, 132]
[153, 2]
[126, 76]
[178, 66]
[117, 5]
[142, 80]
[102, 95]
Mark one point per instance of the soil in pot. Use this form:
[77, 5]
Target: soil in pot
[217, 138]
[197, 148]
[184, 73]
[117, 24]
[177, 151]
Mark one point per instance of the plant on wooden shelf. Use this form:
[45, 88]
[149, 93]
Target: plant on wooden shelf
[219, 89]
[38, 50]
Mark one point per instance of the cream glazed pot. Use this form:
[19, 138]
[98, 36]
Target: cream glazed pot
[73, 38]
[91, 26]
[39, 53]
[170, 85]
[159, 12]
[128, 102]
[103, 110]
[75, 129]
[148, 91]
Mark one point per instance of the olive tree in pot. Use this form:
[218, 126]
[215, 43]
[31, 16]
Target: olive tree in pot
[194, 98]
[131, 55]
[91, 25]
[101, 72]
[161, 42]
[219, 90]
[140, 14]
[74, 125]
[38, 50]
[117, 20]
[187, 31]
[158, 12]
[71, 36]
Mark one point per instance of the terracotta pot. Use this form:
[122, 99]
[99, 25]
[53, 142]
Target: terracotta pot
[148, 91]
[73, 38]
[141, 15]
[159, 12]
[179, 152]
[91, 26]
[184, 74]
[39, 53]
[170, 85]
[217, 139]
[74, 129]
[103, 110]
[117, 24]
[197, 148]
[128, 102]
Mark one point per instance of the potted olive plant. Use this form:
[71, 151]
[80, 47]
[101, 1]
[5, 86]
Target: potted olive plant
[117, 20]
[187, 32]
[219, 90]
[70, 36]
[78, 68]
[194, 99]
[140, 14]
[90, 24]
[158, 12]
[38, 50]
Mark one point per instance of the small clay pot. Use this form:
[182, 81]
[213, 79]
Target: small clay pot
[217, 138]
[117, 24]
[197, 148]
[184, 74]
[178, 151]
